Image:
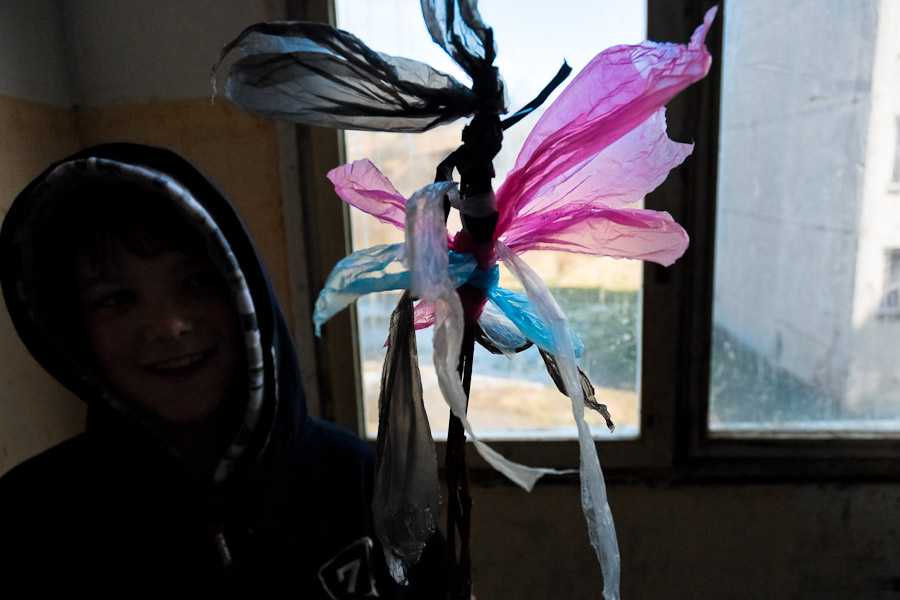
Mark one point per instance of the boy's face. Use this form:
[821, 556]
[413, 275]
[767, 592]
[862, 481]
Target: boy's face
[163, 331]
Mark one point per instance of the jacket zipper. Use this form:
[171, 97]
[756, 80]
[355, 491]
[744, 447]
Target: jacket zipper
[218, 531]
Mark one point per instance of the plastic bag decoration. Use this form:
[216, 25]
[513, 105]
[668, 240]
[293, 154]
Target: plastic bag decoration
[599, 148]
[317, 75]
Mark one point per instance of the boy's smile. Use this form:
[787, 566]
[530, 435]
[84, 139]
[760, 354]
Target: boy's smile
[163, 332]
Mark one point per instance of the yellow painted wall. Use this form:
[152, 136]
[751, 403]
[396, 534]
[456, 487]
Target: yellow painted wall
[32, 135]
[36, 412]
[236, 150]
[690, 541]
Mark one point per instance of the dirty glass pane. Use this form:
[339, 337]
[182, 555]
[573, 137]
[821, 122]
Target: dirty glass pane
[806, 326]
[510, 398]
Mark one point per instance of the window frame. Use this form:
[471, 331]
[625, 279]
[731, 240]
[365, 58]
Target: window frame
[697, 451]
[675, 442]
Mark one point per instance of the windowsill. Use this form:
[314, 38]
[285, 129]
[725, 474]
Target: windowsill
[875, 429]
[558, 434]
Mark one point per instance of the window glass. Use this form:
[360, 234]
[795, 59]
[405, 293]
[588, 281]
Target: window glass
[510, 398]
[805, 331]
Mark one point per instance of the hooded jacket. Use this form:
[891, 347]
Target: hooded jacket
[112, 512]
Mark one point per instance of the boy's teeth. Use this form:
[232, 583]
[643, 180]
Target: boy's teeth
[180, 363]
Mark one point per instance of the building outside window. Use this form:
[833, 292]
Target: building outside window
[803, 223]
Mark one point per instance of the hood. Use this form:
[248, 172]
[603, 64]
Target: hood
[276, 408]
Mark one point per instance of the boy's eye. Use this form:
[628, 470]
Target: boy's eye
[114, 299]
[200, 280]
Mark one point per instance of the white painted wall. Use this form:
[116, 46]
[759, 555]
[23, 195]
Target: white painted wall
[102, 52]
[32, 52]
[148, 50]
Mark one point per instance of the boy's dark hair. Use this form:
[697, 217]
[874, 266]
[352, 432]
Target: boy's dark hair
[96, 219]
[94, 222]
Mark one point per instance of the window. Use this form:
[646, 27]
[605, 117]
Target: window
[510, 398]
[768, 344]
[797, 346]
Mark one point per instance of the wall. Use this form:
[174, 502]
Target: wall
[141, 73]
[73, 74]
[692, 541]
[36, 127]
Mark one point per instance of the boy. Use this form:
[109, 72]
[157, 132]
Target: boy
[133, 282]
